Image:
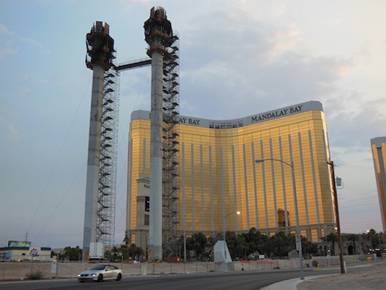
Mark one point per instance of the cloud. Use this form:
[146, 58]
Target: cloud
[283, 41]
[34, 43]
[7, 51]
[129, 3]
[7, 47]
[250, 66]
[11, 43]
[4, 29]
[10, 132]
[14, 133]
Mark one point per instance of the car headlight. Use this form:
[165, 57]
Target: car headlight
[93, 275]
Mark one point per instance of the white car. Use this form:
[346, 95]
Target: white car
[100, 273]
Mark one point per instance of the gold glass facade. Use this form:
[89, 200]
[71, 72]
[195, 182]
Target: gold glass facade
[218, 175]
[378, 148]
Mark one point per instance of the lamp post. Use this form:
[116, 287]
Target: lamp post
[224, 231]
[298, 236]
[338, 233]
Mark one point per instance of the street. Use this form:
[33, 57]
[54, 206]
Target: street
[239, 281]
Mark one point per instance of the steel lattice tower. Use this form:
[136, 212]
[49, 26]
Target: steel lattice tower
[170, 144]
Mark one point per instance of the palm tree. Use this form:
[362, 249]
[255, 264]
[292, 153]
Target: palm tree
[281, 244]
[126, 240]
[198, 244]
[241, 246]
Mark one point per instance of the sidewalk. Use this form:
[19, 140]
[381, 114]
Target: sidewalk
[367, 278]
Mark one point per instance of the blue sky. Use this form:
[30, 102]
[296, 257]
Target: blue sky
[237, 58]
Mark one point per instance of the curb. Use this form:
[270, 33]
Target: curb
[291, 284]
[18, 281]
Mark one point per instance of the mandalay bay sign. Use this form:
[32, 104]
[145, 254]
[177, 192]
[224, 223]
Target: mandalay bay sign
[241, 122]
[236, 123]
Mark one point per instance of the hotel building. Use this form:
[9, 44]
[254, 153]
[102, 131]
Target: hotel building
[218, 174]
[378, 147]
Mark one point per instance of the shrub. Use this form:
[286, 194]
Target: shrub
[315, 264]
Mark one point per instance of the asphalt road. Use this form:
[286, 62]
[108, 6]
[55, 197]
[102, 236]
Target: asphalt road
[207, 281]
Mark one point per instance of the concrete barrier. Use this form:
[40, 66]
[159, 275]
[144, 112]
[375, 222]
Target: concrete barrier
[20, 270]
[333, 261]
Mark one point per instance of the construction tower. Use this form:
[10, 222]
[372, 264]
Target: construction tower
[159, 36]
[99, 219]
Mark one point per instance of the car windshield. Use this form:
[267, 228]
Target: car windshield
[98, 267]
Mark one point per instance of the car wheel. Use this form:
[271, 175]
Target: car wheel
[119, 277]
[100, 278]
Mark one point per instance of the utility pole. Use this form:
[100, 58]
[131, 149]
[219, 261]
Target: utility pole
[336, 208]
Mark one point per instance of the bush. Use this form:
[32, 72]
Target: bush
[36, 275]
[315, 264]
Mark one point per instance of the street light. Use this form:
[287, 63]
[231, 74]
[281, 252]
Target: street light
[224, 231]
[298, 237]
[224, 225]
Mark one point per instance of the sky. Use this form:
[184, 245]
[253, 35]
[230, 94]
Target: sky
[237, 58]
